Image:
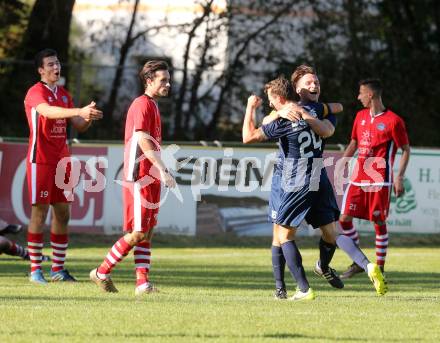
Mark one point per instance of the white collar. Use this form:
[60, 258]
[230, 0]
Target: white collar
[54, 90]
[377, 115]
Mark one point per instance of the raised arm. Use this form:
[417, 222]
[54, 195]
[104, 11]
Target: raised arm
[270, 117]
[250, 133]
[89, 112]
[81, 124]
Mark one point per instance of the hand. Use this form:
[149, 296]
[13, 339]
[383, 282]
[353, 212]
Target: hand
[90, 112]
[304, 114]
[399, 190]
[290, 112]
[254, 101]
[167, 179]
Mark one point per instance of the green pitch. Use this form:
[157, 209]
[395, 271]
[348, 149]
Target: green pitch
[219, 294]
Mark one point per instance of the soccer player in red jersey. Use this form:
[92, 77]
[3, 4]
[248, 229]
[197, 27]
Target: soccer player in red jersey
[49, 108]
[377, 134]
[144, 171]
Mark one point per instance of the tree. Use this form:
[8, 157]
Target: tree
[204, 75]
[48, 26]
[237, 62]
[397, 41]
[246, 36]
[12, 25]
[118, 39]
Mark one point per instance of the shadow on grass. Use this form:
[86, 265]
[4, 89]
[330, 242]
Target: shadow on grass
[183, 335]
[229, 239]
[229, 276]
[38, 298]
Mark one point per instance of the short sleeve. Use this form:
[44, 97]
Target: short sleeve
[277, 128]
[354, 129]
[325, 110]
[142, 115]
[400, 136]
[35, 97]
[329, 115]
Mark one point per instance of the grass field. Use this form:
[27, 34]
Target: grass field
[221, 294]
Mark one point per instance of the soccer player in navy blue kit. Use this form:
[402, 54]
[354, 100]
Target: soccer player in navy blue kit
[300, 186]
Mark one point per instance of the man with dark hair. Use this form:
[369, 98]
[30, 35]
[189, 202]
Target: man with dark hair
[49, 108]
[377, 134]
[307, 87]
[144, 171]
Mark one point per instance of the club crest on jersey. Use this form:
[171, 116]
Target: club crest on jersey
[312, 112]
[298, 125]
[381, 126]
[363, 122]
[50, 99]
[64, 98]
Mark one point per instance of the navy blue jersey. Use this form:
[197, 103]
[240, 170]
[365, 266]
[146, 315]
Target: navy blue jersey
[293, 195]
[298, 144]
[317, 208]
[297, 140]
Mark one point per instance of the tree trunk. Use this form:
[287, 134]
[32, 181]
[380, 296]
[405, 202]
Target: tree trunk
[229, 75]
[48, 27]
[111, 103]
[183, 87]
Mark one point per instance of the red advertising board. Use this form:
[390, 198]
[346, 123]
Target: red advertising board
[87, 209]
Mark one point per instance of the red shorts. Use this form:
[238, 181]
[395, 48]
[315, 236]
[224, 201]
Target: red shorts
[42, 185]
[367, 202]
[141, 206]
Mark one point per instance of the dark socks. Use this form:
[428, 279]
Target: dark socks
[326, 252]
[11, 248]
[278, 264]
[351, 249]
[294, 263]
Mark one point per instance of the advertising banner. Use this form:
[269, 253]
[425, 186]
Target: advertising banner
[218, 190]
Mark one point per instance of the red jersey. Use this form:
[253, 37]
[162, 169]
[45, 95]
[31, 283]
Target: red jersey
[47, 137]
[378, 139]
[143, 115]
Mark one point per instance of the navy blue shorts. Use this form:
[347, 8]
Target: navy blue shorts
[290, 208]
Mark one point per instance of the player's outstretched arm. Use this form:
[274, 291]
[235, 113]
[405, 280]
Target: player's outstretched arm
[89, 112]
[250, 133]
[80, 123]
